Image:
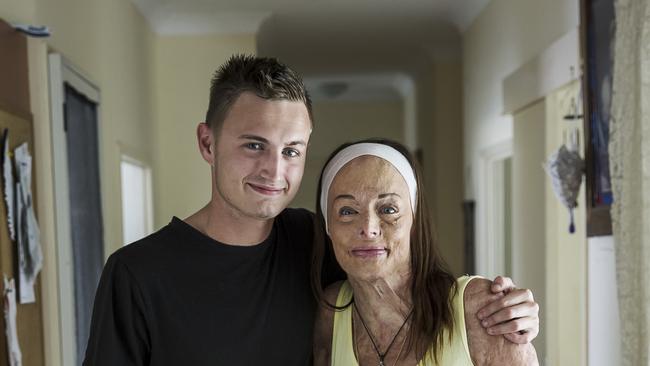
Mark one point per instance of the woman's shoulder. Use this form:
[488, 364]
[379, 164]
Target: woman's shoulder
[331, 292]
[324, 325]
[325, 316]
[477, 290]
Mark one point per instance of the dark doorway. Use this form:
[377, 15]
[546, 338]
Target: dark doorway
[86, 228]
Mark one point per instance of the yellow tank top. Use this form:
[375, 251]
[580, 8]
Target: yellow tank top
[455, 353]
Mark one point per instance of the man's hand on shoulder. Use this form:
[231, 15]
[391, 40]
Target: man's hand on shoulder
[512, 312]
[486, 349]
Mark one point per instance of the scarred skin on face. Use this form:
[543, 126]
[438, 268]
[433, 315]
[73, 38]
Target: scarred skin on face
[370, 219]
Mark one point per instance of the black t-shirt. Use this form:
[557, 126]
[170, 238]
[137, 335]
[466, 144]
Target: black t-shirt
[178, 297]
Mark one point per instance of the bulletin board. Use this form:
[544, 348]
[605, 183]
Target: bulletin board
[15, 115]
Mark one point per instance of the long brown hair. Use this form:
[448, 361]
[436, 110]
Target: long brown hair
[432, 284]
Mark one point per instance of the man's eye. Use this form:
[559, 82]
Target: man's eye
[388, 210]
[346, 211]
[292, 153]
[254, 146]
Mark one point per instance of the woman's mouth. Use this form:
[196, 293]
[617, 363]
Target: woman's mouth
[369, 252]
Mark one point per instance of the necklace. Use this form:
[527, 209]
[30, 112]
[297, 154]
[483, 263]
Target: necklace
[400, 352]
[356, 347]
[380, 355]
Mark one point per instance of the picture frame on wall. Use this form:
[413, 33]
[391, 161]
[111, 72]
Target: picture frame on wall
[597, 32]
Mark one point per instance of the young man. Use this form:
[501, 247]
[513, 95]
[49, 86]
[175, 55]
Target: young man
[229, 285]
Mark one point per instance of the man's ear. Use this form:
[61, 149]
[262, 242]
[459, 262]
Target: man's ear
[205, 139]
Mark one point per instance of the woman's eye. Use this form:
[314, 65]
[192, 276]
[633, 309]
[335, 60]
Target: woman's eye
[346, 211]
[388, 210]
[292, 153]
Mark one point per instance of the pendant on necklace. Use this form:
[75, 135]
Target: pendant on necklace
[381, 361]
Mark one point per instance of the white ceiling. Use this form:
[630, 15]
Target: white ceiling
[360, 87]
[332, 41]
[237, 16]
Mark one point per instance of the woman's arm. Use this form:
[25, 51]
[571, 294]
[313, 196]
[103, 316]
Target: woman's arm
[488, 349]
[324, 327]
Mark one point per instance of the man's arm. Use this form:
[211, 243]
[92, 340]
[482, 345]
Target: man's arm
[487, 349]
[510, 312]
[118, 333]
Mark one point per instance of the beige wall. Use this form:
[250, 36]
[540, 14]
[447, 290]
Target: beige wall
[337, 122]
[18, 11]
[183, 69]
[506, 35]
[546, 257]
[566, 267]
[441, 139]
[528, 214]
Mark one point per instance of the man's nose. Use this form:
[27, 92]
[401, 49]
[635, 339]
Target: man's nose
[272, 165]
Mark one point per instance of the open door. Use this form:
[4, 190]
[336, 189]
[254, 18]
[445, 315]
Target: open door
[80, 233]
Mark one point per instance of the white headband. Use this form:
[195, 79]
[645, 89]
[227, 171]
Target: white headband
[354, 151]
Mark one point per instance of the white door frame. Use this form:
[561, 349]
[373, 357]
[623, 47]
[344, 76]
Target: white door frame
[490, 238]
[61, 71]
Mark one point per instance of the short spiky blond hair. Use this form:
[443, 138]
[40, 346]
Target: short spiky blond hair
[266, 77]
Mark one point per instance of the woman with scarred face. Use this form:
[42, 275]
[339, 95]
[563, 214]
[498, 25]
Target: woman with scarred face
[399, 304]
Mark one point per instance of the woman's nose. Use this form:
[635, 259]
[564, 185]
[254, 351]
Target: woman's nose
[370, 228]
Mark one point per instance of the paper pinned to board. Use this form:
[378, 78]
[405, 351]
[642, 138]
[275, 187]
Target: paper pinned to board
[13, 347]
[8, 177]
[30, 256]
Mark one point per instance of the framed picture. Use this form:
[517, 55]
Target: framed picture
[597, 33]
